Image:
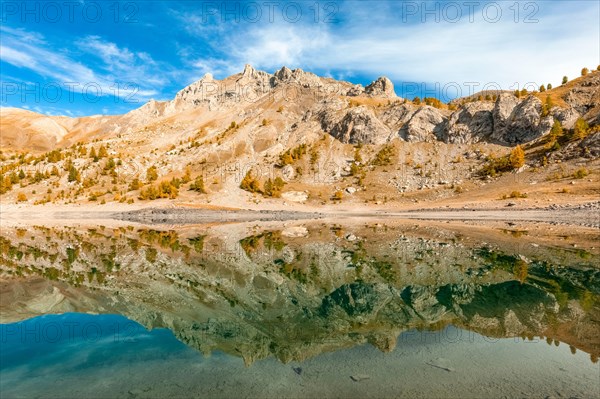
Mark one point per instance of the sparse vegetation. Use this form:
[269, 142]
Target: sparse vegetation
[272, 188]
[581, 129]
[580, 173]
[517, 157]
[514, 160]
[515, 194]
[151, 174]
[384, 156]
[555, 134]
[198, 185]
[166, 189]
[74, 174]
[293, 155]
[250, 183]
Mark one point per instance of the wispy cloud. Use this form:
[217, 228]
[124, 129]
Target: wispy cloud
[115, 70]
[365, 42]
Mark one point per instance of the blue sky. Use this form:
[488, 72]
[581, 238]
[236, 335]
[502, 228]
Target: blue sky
[107, 57]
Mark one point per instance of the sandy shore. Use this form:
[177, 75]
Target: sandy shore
[587, 215]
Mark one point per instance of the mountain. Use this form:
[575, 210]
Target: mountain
[319, 134]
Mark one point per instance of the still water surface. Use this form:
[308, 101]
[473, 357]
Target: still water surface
[298, 310]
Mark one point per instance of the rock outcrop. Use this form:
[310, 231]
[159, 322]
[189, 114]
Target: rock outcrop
[296, 76]
[470, 124]
[427, 124]
[519, 122]
[382, 87]
[359, 125]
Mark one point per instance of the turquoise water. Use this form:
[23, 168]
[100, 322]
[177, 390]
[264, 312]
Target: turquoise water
[317, 311]
[79, 355]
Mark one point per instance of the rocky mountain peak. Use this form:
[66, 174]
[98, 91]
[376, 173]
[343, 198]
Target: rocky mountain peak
[249, 71]
[382, 87]
[297, 76]
[284, 74]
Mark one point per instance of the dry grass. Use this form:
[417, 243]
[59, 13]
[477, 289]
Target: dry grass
[557, 93]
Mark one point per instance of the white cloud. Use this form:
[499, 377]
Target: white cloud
[372, 44]
[135, 76]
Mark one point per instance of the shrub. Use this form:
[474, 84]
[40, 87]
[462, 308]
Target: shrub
[74, 174]
[383, 157]
[272, 188]
[265, 122]
[250, 183]
[134, 185]
[102, 152]
[290, 156]
[21, 197]
[548, 104]
[549, 86]
[198, 185]
[166, 189]
[517, 157]
[416, 100]
[151, 174]
[584, 71]
[581, 173]
[5, 184]
[542, 88]
[565, 80]
[581, 129]
[515, 194]
[555, 133]
[433, 102]
[314, 156]
[338, 196]
[187, 177]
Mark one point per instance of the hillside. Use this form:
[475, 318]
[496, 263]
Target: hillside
[294, 137]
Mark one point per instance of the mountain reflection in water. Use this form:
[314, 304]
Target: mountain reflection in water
[293, 291]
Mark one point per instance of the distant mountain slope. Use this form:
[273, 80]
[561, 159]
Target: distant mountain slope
[351, 113]
[323, 137]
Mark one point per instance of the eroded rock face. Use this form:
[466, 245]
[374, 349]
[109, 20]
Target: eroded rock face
[505, 104]
[519, 123]
[566, 116]
[359, 125]
[427, 124]
[585, 96]
[470, 124]
[396, 117]
[382, 87]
